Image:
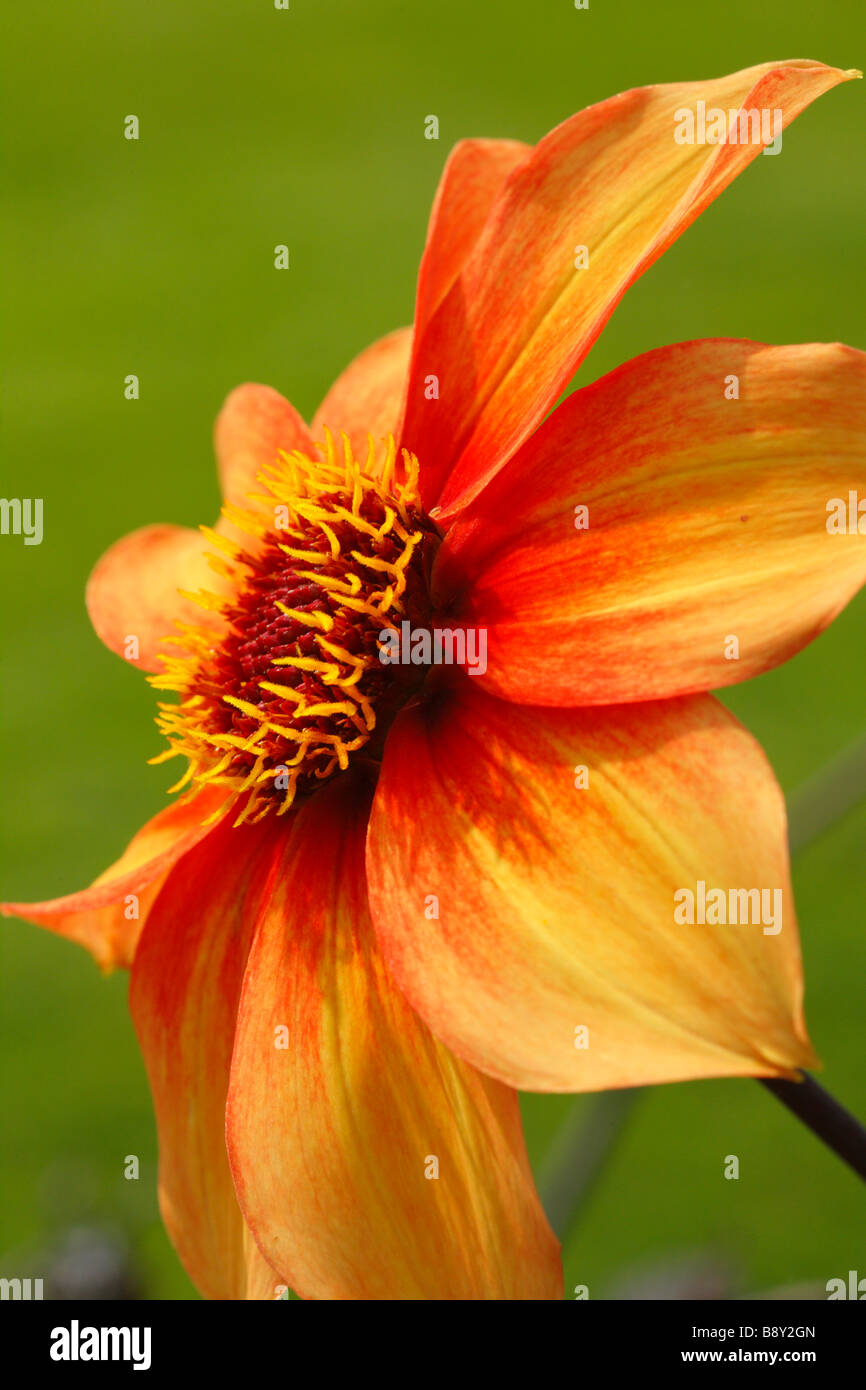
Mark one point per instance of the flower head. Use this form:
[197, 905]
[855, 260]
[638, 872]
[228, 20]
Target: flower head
[389, 895]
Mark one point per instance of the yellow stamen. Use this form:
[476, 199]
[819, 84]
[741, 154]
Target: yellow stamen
[343, 528]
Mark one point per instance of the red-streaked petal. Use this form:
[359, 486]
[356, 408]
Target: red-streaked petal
[255, 423]
[108, 917]
[335, 1137]
[368, 396]
[556, 904]
[133, 591]
[186, 980]
[707, 524]
[474, 174]
[520, 318]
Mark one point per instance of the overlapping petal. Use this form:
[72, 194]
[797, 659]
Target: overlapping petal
[367, 398]
[254, 424]
[261, 1283]
[369, 1162]
[556, 901]
[133, 591]
[707, 557]
[523, 312]
[108, 917]
[186, 981]
[472, 179]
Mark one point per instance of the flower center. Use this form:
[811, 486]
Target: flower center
[291, 684]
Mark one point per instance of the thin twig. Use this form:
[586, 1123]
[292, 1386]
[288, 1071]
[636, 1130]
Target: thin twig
[825, 1117]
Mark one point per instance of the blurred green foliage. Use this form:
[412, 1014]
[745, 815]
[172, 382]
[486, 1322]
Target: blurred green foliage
[305, 126]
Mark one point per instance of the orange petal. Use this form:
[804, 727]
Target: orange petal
[556, 904]
[255, 423]
[133, 590]
[184, 993]
[99, 917]
[369, 1162]
[474, 174]
[261, 1283]
[368, 396]
[707, 557]
[522, 316]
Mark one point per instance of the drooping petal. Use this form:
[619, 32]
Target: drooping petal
[707, 557]
[108, 917]
[133, 591]
[254, 424]
[556, 900]
[368, 395]
[184, 993]
[528, 304]
[369, 1162]
[474, 174]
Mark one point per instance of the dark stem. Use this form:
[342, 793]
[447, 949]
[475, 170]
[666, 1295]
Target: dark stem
[825, 1117]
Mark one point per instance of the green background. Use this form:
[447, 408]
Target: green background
[306, 127]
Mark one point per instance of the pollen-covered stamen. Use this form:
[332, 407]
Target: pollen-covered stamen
[337, 554]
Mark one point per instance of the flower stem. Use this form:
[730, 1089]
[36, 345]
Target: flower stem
[825, 1117]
